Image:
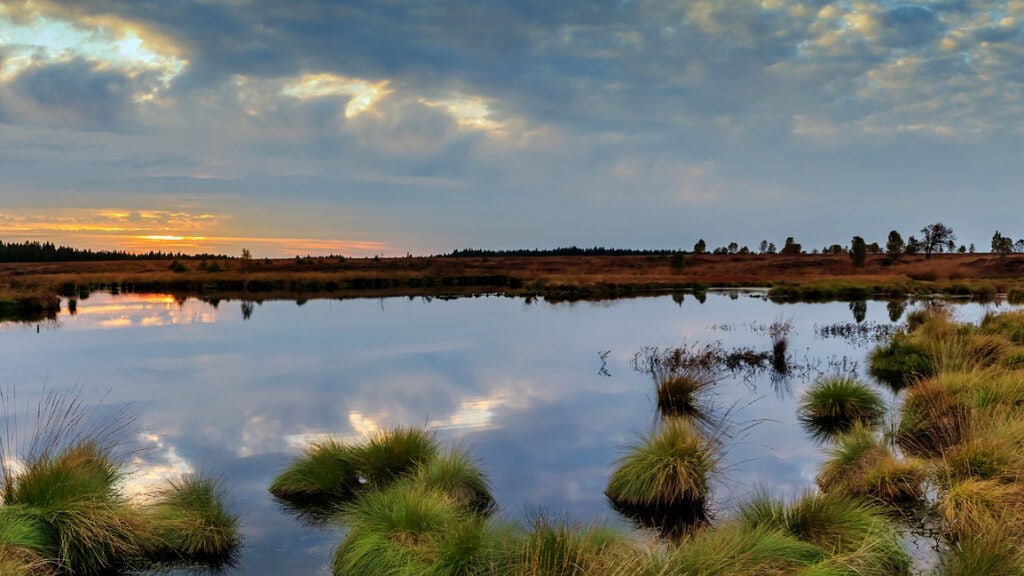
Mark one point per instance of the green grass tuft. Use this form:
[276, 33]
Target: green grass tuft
[409, 529]
[852, 530]
[664, 479]
[735, 550]
[325, 473]
[899, 362]
[985, 554]
[390, 455]
[90, 527]
[192, 525]
[680, 392]
[834, 405]
[455, 474]
[552, 547]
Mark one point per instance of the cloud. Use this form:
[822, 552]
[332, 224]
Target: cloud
[416, 121]
[75, 93]
[906, 26]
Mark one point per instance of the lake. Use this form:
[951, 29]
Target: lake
[543, 395]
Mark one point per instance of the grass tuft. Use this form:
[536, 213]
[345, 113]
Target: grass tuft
[552, 547]
[680, 392]
[407, 529]
[933, 419]
[325, 473]
[834, 405]
[192, 525]
[664, 479]
[390, 455]
[852, 530]
[735, 550]
[455, 474]
[899, 362]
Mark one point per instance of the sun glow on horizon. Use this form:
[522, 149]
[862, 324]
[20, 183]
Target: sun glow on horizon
[142, 231]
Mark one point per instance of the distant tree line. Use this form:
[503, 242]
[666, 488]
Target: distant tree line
[566, 251]
[935, 238]
[48, 252]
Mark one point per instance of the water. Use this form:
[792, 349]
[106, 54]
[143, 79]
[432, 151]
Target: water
[237, 389]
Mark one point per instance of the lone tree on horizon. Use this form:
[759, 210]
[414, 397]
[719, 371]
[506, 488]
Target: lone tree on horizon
[858, 251]
[937, 236]
[894, 246]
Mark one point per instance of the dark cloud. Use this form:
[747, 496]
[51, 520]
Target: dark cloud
[997, 34]
[82, 94]
[907, 26]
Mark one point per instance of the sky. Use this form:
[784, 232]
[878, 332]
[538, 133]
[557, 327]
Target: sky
[387, 127]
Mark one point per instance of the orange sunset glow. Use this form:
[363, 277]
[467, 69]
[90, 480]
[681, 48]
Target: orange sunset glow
[168, 231]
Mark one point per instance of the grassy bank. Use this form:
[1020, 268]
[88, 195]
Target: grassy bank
[790, 277]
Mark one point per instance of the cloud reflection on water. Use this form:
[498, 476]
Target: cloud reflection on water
[519, 384]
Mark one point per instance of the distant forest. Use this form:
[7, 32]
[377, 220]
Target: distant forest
[569, 251]
[48, 252]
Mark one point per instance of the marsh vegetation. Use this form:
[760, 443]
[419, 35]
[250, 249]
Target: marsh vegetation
[63, 510]
[947, 455]
[414, 500]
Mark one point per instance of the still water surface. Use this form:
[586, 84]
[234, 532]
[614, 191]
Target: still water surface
[238, 389]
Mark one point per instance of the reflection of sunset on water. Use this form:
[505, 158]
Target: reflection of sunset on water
[106, 312]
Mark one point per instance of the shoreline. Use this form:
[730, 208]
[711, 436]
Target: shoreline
[35, 287]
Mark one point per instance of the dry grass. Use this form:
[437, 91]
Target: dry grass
[978, 274]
